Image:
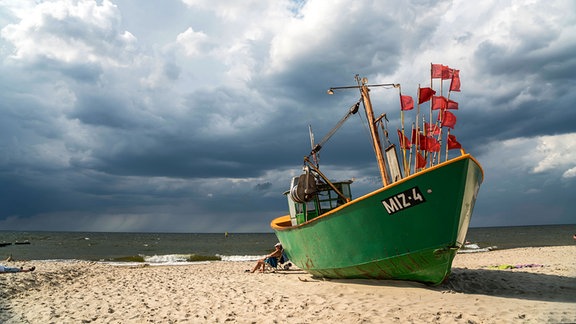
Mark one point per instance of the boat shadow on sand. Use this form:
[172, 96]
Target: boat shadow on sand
[511, 284]
[489, 282]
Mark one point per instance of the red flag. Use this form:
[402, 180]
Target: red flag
[448, 119]
[422, 142]
[425, 95]
[447, 72]
[406, 102]
[404, 142]
[413, 139]
[428, 143]
[452, 104]
[432, 129]
[420, 161]
[453, 143]
[441, 71]
[418, 139]
[432, 144]
[439, 102]
[436, 71]
[455, 83]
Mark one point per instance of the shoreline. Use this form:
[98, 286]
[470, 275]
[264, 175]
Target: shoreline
[176, 259]
[481, 289]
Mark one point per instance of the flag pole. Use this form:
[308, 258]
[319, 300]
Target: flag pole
[403, 147]
[447, 103]
[448, 132]
[431, 102]
[417, 150]
[439, 154]
[410, 156]
[447, 135]
[427, 155]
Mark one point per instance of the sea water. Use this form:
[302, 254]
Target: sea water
[178, 248]
[135, 247]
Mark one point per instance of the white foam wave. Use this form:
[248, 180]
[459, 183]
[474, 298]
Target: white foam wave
[143, 264]
[240, 258]
[169, 258]
[475, 248]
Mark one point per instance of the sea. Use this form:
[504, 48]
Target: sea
[185, 248]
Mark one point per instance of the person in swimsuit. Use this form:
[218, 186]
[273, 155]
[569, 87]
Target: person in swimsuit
[4, 269]
[271, 259]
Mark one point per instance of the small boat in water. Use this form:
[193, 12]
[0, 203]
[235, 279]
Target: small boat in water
[408, 229]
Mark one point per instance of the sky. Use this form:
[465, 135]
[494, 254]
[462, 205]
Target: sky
[192, 115]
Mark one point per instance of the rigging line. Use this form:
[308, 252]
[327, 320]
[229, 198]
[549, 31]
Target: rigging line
[351, 111]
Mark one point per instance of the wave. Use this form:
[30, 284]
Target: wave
[184, 258]
[475, 248]
[241, 258]
[166, 259]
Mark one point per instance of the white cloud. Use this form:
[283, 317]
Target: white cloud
[245, 12]
[570, 173]
[550, 154]
[70, 31]
[528, 164]
[557, 152]
[241, 40]
[194, 43]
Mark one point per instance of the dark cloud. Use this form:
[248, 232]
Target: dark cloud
[112, 124]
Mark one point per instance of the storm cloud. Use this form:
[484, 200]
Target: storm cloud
[192, 115]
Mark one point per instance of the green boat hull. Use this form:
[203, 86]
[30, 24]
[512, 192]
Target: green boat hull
[409, 230]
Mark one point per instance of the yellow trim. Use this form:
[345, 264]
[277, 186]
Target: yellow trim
[284, 220]
[277, 223]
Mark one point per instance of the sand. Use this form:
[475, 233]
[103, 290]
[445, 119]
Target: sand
[221, 292]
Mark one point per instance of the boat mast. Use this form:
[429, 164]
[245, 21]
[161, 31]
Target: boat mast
[373, 129]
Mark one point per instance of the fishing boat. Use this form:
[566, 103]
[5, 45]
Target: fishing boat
[411, 227]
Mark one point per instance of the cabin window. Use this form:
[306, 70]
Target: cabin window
[345, 189]
[299, 208]
[328, 199]
[311, 211]
[325, 200]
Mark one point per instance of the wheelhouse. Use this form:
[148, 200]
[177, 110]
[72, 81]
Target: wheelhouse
[324, 199]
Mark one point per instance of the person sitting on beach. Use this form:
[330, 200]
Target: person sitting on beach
[271, 259]
[4, 269]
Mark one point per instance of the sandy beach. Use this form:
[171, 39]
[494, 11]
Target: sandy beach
[527, 285]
